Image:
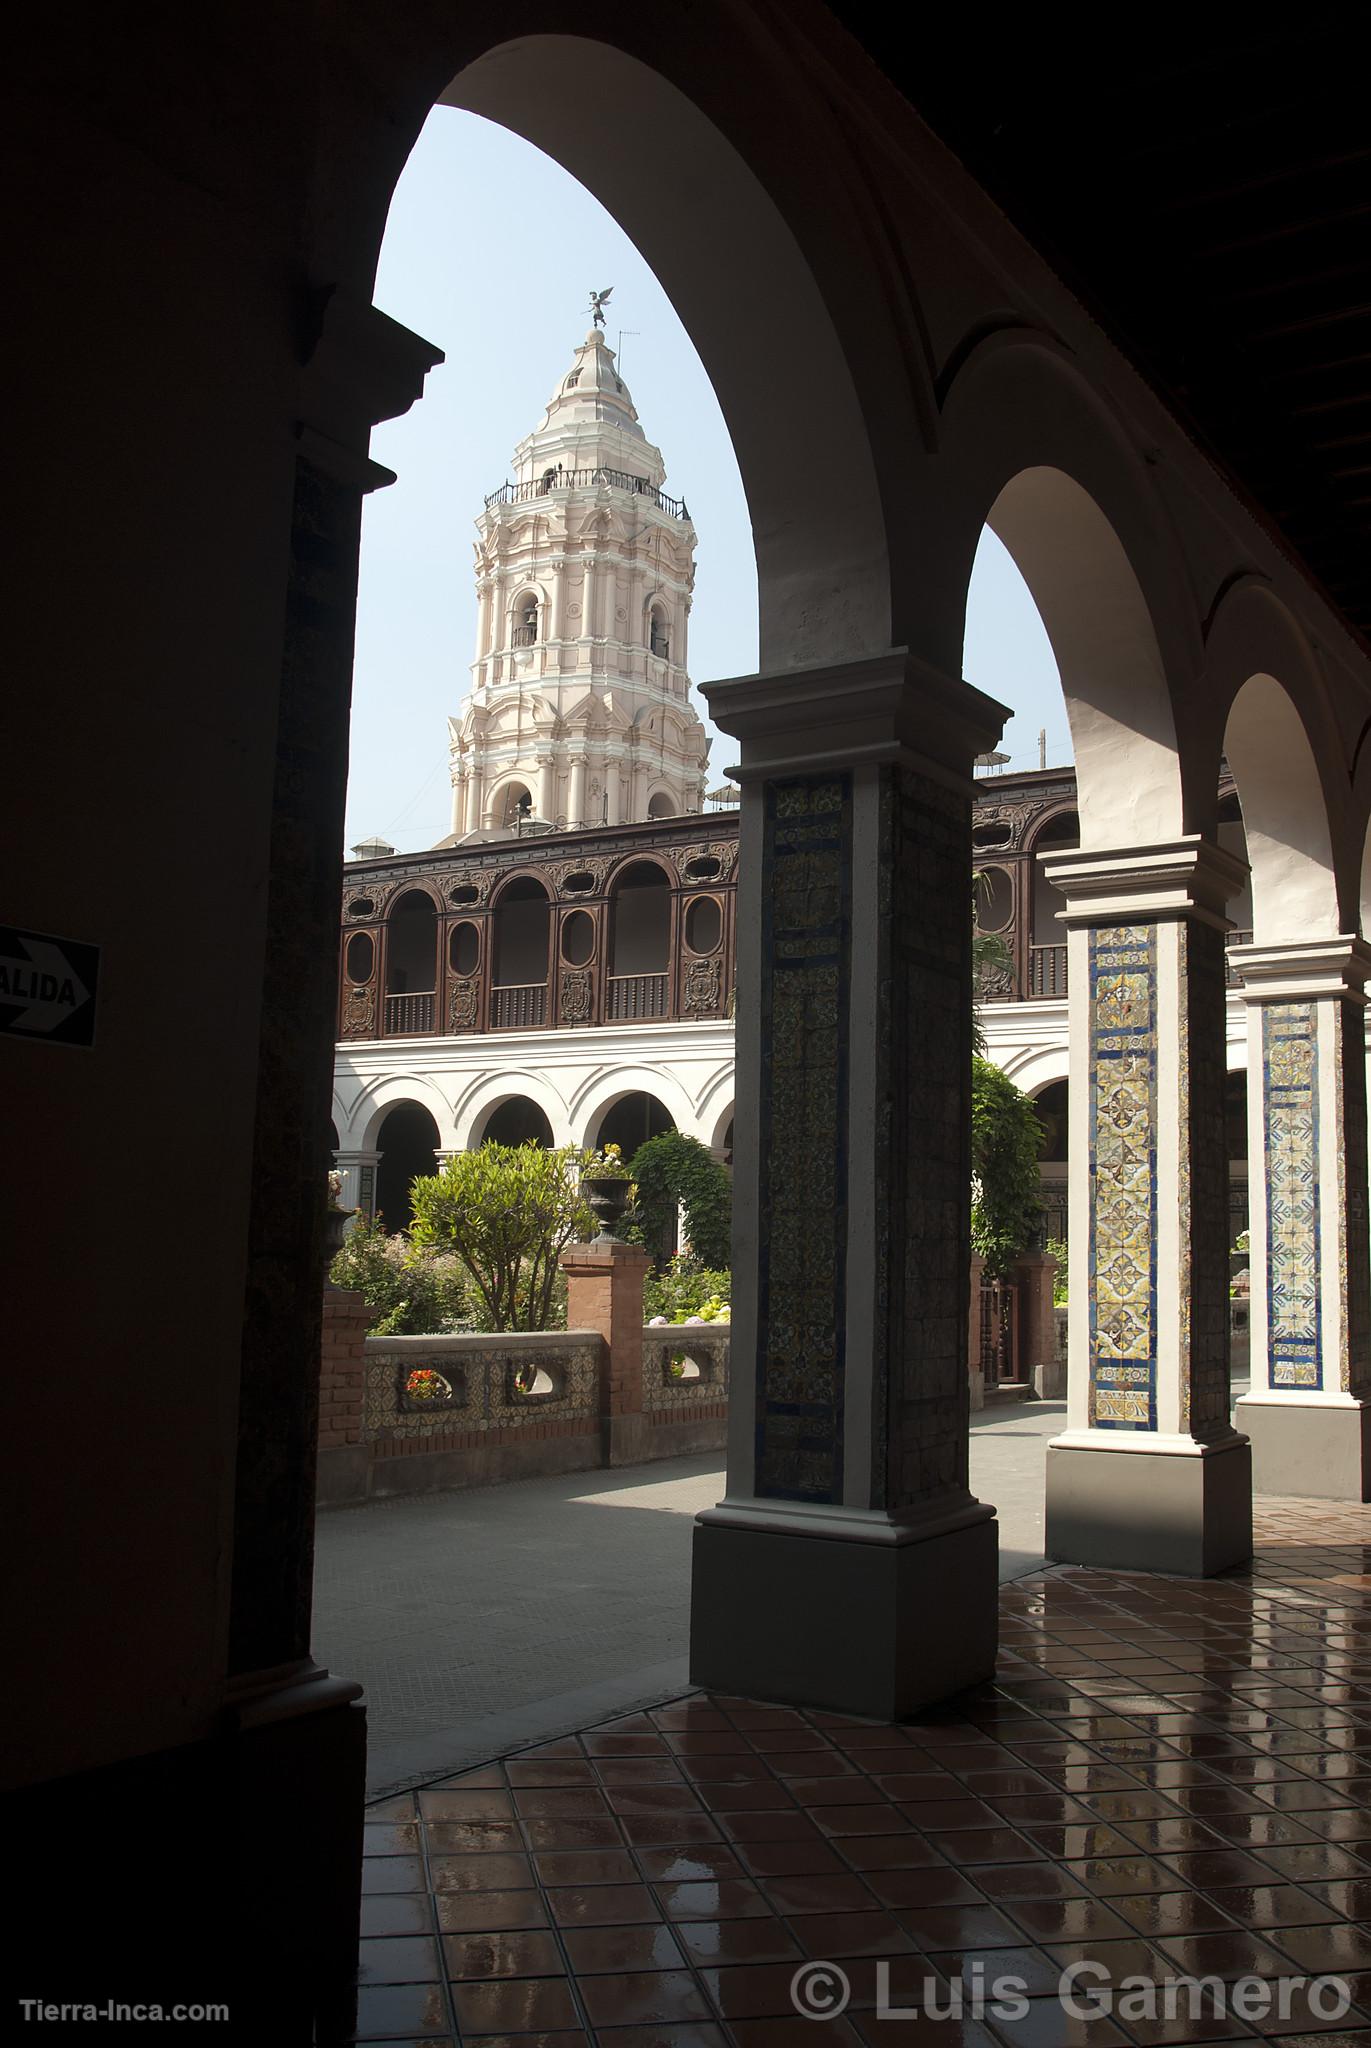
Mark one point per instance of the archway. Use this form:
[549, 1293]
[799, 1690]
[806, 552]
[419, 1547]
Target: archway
[516, 1121]
[639, 943]
[411, 964]
[408, 1142]
[631, 1121]
[1285, 815]
[518, 996]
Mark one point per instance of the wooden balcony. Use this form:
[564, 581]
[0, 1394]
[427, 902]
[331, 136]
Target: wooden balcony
[636, 998]
[1046, 972]
[407, 1016]
[519, 1006]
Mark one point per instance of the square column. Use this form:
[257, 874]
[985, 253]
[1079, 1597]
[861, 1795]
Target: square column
[849, 1566]
[1309, 1410]
[1149, 1474]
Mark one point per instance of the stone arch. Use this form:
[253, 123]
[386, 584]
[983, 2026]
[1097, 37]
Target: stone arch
[501, 809]
[715, 1107]
[814, 499]
[1270, 720]
[488, 1091]
[600, 1093]
[376, 1101]
[1036, 455]
[1285, 815]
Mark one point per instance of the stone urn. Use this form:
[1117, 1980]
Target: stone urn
[336, 1223]
[608, 1196]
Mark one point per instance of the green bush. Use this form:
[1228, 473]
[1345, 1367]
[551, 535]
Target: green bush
[1057, 1247]
[684, 1288]
[1006, 1195]
[507, 1212]
[418, 1292]
[676, 1171]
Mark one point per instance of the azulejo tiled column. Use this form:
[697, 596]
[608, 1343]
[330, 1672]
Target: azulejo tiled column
[849, 1565]
[1149, 1474]
[1309, 1410]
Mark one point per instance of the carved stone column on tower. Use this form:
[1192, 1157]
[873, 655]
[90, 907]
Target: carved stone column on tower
[1149, 1474]
[1309, 1409]
[849, 1565]
[578, 791]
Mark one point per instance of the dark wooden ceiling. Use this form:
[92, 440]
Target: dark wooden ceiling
[1205, 189]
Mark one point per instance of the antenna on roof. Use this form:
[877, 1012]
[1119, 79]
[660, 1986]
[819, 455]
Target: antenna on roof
[619, 351]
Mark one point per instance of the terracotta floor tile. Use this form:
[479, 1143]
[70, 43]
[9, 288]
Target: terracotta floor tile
[1339, 1947]
[712, 1899]
[550, 1771]
[1274, 1905]
[390, 2009]
[1032, 1970]
[960, 1927]
[513, 1953]
[1158, 1914]
[715, 1943]
[893, 1852]
[593, 1951]
[1078, 1919]
[686, 2034]
[486, 1912]
[479, 1873]
[473, 1837]
[914, 1888]
[643, 1997]
[775, 1859]
[600, 1832]
[1028, 1881]
[585, 1866]
[398, 1959]
[392, 1874]
[601, 1905]
[466, 1805]
[703, 1862]
[514, 2005]
[396, 1913]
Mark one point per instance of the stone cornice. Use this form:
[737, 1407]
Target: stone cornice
[1184, 877]
[1306, 970]
[888, 707]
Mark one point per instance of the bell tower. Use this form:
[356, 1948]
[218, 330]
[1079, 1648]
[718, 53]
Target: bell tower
[579, 710]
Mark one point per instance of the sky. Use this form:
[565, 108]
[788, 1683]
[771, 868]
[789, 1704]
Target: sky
[468, 263]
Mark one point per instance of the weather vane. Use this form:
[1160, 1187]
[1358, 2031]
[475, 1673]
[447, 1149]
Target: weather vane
[598, 302]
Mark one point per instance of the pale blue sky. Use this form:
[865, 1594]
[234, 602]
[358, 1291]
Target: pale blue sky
[469, 263]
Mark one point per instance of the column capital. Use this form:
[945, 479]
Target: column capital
[1303, 970]
[351, 1155]
[889, 707]
[1185, 877]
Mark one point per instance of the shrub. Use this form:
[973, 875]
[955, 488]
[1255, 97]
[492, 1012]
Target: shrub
[675, 1171]
[418, 1292]
[508, 1212]
[684, 1288]
[1057, 1247]
[1006, 1137]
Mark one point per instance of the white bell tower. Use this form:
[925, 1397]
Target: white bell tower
[579, 711]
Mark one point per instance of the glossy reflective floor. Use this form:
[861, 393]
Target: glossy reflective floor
[1169, 1779]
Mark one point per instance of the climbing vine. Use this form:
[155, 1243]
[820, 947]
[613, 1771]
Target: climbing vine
[674, 1171]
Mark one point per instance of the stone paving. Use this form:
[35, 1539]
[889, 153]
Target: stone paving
[480, 1619]
[1167, 1781]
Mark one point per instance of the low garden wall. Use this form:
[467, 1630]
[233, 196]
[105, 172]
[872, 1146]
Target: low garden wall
[524, 1405]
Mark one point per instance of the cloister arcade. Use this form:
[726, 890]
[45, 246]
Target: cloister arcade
[841, 269]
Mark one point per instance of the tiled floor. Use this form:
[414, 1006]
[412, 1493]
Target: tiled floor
[1168, 1778]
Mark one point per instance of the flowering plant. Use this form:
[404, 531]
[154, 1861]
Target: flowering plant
[424, 1384]
[606, 1165]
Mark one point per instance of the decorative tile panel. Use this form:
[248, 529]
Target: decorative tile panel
[1290, 1081]
[802, 1219]
[1123, 1177]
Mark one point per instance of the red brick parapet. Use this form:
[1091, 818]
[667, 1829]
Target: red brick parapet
[342, 1368]
[605, 1282]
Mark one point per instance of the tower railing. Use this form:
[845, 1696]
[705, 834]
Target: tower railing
[585, 479]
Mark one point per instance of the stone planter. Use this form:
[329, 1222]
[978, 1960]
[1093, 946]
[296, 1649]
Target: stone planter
[608, 1196]
[336, 1223]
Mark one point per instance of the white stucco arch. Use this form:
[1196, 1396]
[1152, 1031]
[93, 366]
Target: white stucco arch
[376, 1100]
[1035, 455]
[1285, 816]
[602, 1090]
[485, 1095]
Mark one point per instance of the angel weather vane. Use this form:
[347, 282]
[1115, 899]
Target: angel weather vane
[598, 302]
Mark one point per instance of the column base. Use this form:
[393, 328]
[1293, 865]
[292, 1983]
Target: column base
[1187, 1512]
[857, 1626]
[1314, 1449]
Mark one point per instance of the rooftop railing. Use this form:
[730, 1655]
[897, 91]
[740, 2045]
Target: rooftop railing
[586, 479]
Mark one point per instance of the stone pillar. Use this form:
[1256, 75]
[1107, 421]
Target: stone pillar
[547, 787]
[849, 1566]
[476, 782]
[1309, 1410]
[1035, 1274]
[578, 790]
[613, 789]
[358, 1168]
[1149, 1474]
[343, 1460]
[604, 1282]
[975, 1370]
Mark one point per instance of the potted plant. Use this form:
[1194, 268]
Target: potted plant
[336, 1218]
[607, 1189]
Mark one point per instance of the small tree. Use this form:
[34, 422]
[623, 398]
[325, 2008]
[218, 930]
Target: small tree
[508, 1211]
[676, 1171]
[1006, 1138]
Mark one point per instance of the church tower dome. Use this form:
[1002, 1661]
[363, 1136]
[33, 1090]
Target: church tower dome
[579, 710]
